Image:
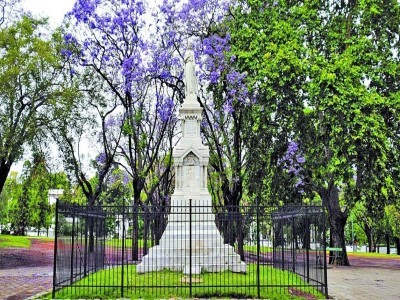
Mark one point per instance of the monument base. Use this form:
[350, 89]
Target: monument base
[205, 253]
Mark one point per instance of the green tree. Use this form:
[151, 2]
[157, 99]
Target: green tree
[351, 70]
[37, 186]
[32, 86]
[30, 206]
[10, 191]
[327, 77]
[392, 213]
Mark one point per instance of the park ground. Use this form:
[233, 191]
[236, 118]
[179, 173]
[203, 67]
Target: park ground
[25, 272]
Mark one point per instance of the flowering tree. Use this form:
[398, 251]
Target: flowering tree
[223, 96]
[89, 123]
[110, 39]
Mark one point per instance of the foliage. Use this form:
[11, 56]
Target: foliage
[325, 81]
[108, 41]
[26, 198]
[11, 190]
[32, 87]
[393, 216]
[31, 207]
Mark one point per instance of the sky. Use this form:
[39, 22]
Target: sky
[54, 9]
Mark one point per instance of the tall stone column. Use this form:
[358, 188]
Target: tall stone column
[209, 253]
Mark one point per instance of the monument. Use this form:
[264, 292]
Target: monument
[207, 251]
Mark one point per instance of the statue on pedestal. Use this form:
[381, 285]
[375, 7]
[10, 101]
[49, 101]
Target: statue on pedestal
[190, 74]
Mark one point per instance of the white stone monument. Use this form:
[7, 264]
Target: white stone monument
[208, 251]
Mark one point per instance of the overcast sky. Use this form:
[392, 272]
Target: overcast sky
[54, 9]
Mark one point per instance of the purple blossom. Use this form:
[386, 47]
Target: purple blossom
[165, 107]
[300, 159]
[110, 122]
[126, 179]
[228, 107]
[101, 158]
[66, 53]
[292, 162]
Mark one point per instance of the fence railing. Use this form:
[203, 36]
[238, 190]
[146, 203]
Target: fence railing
[188, 251]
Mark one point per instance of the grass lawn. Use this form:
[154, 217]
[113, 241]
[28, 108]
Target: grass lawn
[7, 241]
[373, 255]
[128, 243]
[253, 249]
[173, 285]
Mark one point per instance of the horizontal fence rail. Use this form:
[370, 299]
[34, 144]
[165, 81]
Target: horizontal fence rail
[189, 251]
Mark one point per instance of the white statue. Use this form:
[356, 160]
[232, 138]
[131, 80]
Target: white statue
[190, 74]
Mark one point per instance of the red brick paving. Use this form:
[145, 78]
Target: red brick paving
[26, 272]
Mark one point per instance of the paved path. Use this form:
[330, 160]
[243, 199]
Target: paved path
[363, 283]
[21, 283]
[26, 272]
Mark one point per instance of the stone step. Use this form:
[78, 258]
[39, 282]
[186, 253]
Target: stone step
[196, 268]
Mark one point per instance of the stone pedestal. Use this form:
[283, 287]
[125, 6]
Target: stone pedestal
[207, 251]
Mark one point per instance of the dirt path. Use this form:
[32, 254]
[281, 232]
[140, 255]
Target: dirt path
[26, 272]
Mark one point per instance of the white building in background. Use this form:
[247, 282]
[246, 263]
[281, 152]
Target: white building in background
[54, 194]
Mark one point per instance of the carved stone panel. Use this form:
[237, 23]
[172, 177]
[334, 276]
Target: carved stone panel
[191, 160]
[191, 171]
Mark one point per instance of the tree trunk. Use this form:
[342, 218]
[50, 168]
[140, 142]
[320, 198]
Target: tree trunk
[135, 233]
[240, 236]
[397, 241]
[4, 170]
[387, 237]
[337, 220]
[368, 233]
[146, 229]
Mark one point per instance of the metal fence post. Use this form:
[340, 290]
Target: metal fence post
[190, 248]
[53, 294]
[85, 251]
[72, 245]
[308, 244]
[324, 251]
[123, 250]
[258, 249]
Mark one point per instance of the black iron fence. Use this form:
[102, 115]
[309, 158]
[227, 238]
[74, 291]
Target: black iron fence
[189, 251]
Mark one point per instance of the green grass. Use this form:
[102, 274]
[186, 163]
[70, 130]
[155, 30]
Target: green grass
[373, 255]
[11, 241]
[236, 285]
[253, 249]
[117, 243]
